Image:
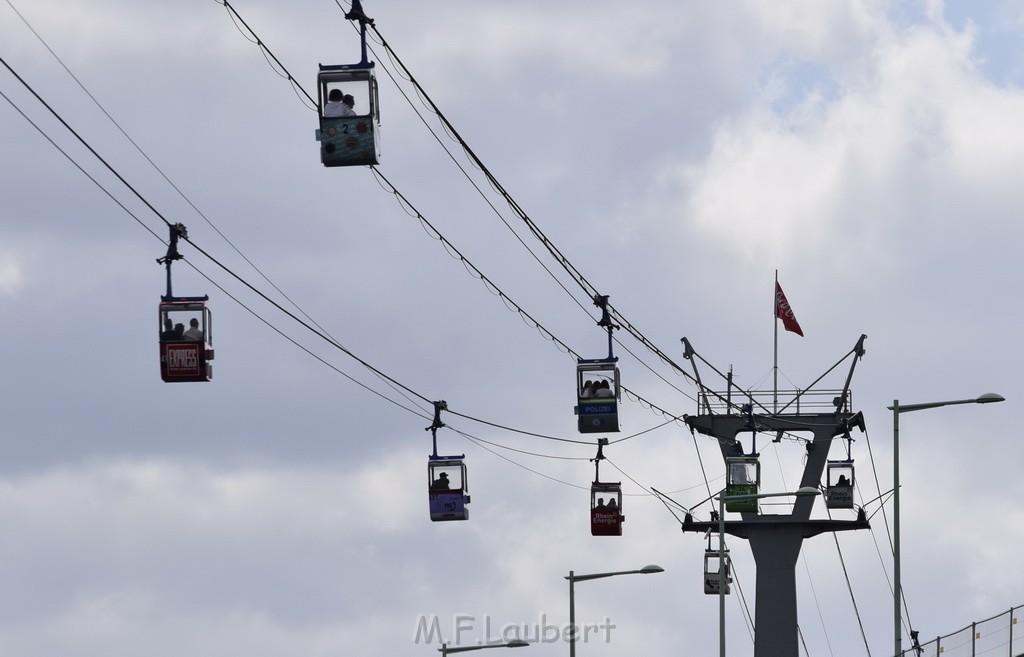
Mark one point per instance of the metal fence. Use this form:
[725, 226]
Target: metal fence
[999, 636]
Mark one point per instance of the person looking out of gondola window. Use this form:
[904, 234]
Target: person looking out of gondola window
[193, 332]
[168, 333]
[336, 105]
[441, 483]
[350, 104]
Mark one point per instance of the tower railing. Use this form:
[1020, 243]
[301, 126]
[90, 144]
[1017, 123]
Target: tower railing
[768, 402]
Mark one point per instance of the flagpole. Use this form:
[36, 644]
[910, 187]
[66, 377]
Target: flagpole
[775, 361]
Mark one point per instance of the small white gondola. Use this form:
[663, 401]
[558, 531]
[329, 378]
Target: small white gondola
[715, 575]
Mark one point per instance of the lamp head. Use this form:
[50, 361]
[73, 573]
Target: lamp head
[646, 570]
[989, 397]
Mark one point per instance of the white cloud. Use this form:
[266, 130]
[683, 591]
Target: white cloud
[282, 508]
[11, 277]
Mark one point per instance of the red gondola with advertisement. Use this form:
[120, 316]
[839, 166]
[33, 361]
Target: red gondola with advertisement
[185, 328]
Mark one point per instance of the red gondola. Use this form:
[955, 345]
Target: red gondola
[185, 327]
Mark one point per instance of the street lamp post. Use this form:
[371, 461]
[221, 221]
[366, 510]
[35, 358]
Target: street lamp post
[515, 643]
[896, 409]
[722, 499]
[573, 578]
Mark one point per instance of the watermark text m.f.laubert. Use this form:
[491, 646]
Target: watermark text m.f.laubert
[428, 630]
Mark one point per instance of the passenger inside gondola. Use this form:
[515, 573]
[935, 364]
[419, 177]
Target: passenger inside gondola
[169, 333]
[193, 332]
[339, 104]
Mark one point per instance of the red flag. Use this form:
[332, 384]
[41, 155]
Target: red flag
[784, 312]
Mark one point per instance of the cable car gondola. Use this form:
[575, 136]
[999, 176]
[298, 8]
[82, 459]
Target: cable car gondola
[839, 475]
[446, 479]
[839, 484]
[597, 385]
[713, 572]
[605, 501]
[347, 105]
[185, 327]
[742, 477]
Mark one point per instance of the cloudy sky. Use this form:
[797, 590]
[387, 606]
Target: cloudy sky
[676, 153]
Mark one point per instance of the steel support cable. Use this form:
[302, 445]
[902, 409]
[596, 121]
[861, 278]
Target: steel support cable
[330, 340]
[422, 219]
[476, 272]
[908, 624]
[481, 193]
[742, 600]
[267, 52]
[414, 411]
[193, 266]
[849, 587]
[84, 142]
[79, 166]
[495, 185]
[210, 257]
[110, 168]
[305, 324]
[566, 264]
[477, 442]
[591, 291]
[817, 606]
[160, 171]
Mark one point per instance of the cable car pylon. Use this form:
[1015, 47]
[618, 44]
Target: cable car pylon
[775, 539]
